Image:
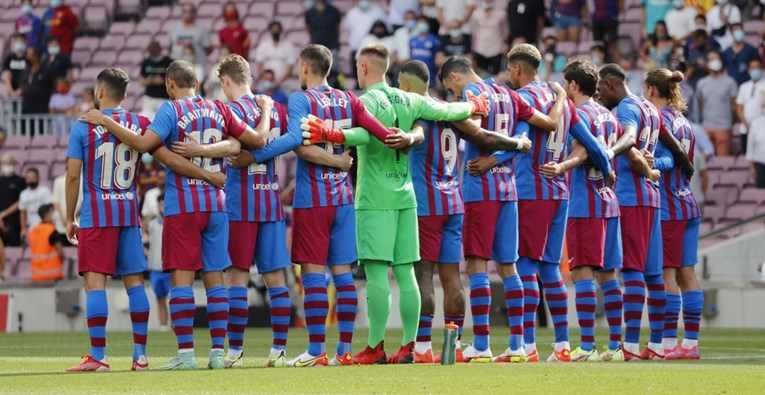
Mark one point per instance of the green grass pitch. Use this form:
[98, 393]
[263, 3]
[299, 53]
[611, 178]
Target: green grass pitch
[733, 362]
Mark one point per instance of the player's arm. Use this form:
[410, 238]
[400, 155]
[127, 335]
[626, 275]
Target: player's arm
[676, 149]
[473, 133]
[72, 194]
[240, 130]
[577, 156]
[482, 164]
[320, 156]
[298, 107]
[403, 140]
[191, 148]
[663, 160]
[639, 164]
[141, 142]
[475, 102]
[584, 138]
[185, 168]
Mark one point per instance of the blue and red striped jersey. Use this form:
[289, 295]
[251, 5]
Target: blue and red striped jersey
[632, 189]
[109, 171]
[677, 200]
[207, 122]
[546, 147]
[590, 197]
[252, 192]
[435, 171]
[506, 111]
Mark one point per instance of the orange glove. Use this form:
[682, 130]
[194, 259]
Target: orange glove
[316, 131]
[480, 103]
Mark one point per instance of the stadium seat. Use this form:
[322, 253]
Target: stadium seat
[705, 227]
[123, 28]
[740, 212]
[737, 178]
[566, 48]
[721, 163]
[16, 143]
[150, 27]
[21, 271]
[138, 41]
[289, 9]
[87, 42]
[104, 58]
[722, 195]
[632, 30]
[752, 195]
[111, 41]
[741, 163]
[96, 19]
[158, 13]
[57, 168]
[45, 143]
[754, 26]
[714, 213]
[261, 9]
[129, 58]
[299, 37]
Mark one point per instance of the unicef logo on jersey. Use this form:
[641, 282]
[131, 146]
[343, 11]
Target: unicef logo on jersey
[273, 186]
[117, 196]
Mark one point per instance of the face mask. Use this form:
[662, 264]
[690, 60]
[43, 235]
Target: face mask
[715, 65]
[701, 27]
[7, 170]
[756, 74]
[230, 15]
[63, 89]
[379, 34]
[488, 6]
[189, 58]
[53, 51]
[19, 47]
[679, 3]
[722, 2]
[739, 36]
[410, 24]
[308, 4]
[147, 159]
[455, 34]
[364, 5]
[26, 9]
[33, 185]
[276, 35]
[423, 28]
[55, 3]
[596, 60]
[549, 57]
[265, 86]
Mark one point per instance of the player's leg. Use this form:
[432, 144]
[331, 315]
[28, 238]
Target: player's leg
[656, 300]
[96, 312]
[431, 236]
[131, 264]
[635, 225]
[613, 299]
[672, 244]
[406, 251]
[555, 292]
[449, 274]
[341, 253]
[241, 249]
[692, 297]
[506, 254]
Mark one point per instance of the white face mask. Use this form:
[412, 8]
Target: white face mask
[7, 170]
[715, 65]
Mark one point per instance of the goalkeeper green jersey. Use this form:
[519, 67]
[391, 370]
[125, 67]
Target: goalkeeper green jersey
[384, 181]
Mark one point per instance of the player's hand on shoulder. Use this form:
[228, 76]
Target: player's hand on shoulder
[316, 131]
[189, 148]
[265, 103]
[71, 232]
[551, 169]
[94, 117]
[557, 88]
[480, 165]
[244, 159]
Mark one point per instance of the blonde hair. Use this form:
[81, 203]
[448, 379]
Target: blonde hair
[667, 84]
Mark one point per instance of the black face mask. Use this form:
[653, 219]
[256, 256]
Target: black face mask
[379, 34]
[276, 35]
[33, 185]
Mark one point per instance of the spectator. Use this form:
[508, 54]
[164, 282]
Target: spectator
[147, 174]
[635, 77]
[701, 22]
[31, 199]
[750, 99]
[552, 64]
[525, 20]
[276, 54]
[213, 89]
[150, 208]
[401, 38]
[720, 16]
[87, 101]
[696, 50]
[424, 46]
[29, 25]
[454, 15]
[737, 57]
[153, 72]
[58, 63]
[378, 34]
[397, 10]
[11, 185]
[60, 21]
[755, 152]
[14, 66]
[363, 14]
[234, 35]
[653, 12]
[605, 25]
[323, 23]
[429, 9]
[266, 87]
[188, 33]
[700, 180]
[681, 20]
[657, 49]
[37, 88]
[598, 55]
[190, 56]
[59, 204]
[567, 19]
[716, 96]
[677, 60]
[489, 27]
[457, 45]
[160, 281]
[63, 105]
[46, 247]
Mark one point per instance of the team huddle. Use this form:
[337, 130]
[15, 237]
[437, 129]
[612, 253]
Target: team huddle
[543, 162]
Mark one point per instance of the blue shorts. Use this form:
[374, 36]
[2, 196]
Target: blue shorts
[441, 238]
[654, 263]
[196, 241]
[613, 256]
[490, 231]
[324, 235]
[111, 251]
[160, 283]
[264, 243]
[681, 242]
[542, 226]
[563, 21]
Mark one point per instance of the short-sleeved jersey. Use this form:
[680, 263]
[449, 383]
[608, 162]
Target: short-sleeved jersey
[631, 187]
[590, 197]
[252, 192]
[677, 200]
[435, 170]
[545, 147]
[109, 171]
[207, 122]
[506, 110]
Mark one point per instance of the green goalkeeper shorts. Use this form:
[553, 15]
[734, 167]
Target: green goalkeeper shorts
[388, 235]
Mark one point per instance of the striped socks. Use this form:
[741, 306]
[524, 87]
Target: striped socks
[217, 315]
[424, 333]
[613, 305]
[281, 309]
[316, 305]
[514, 302]
[670, 321]
[527, 270]
[182, 310]
[556, 297]
[657, 303]
[345, 306]
[238, 314]
[96, 311]
[138, 304]
[634, 299]
[480, 304]
[458, 320]
[586, 302]
[693, 303]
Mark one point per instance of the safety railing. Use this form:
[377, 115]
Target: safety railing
[16, 123]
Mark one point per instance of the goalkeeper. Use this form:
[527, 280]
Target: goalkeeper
[386, 207]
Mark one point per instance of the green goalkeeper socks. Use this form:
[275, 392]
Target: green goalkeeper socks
[378, 300]
[409, 302]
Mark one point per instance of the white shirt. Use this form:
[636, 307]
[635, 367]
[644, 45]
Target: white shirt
[31, 200]
[398, 8]
[401, 39]
[59, 198]
[713, 16]
[681, 23]
[755, 146]
[362, 23]
[454, 10]
[150, 207]
[276, 56]
[155, 244]
[751, 95]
